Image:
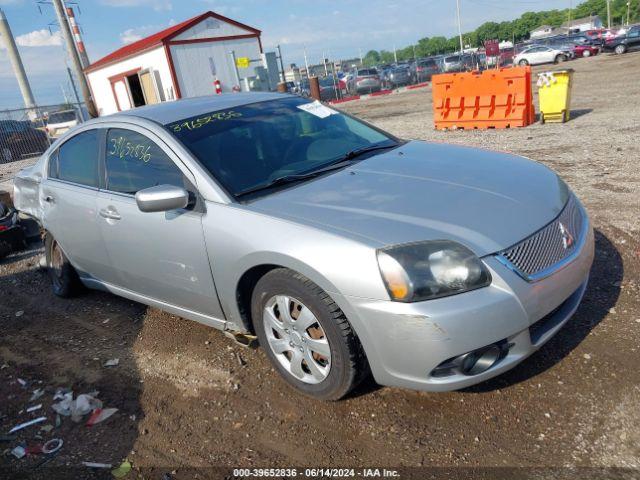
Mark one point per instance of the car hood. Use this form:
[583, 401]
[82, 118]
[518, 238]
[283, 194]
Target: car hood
[483, 199]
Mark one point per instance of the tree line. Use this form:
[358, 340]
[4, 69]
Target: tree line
[518, 30]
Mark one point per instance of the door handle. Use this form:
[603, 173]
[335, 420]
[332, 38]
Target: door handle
[110, 215]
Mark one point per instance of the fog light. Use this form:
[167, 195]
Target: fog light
[481, 360]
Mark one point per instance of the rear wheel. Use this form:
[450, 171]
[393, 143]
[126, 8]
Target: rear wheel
[306, 336]
[523, 63]
[620, 49]
[64, 278]
[586, 53]
[560, 59]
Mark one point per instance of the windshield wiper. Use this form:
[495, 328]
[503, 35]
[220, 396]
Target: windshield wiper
[285, 179]
[360, 151]
[344, 161]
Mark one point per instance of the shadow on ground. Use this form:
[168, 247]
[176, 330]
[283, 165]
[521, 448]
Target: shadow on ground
[50, 343]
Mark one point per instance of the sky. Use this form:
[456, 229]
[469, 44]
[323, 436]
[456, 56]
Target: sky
[337, 29]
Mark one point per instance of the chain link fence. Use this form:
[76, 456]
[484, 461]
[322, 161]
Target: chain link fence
[27, 132]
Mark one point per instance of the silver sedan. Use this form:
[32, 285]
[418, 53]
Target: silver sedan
[345, 250]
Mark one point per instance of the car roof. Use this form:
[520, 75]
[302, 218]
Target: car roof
[167, 112]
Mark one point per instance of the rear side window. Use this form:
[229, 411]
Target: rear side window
[367, 71]
[134, 162]
[76, 160]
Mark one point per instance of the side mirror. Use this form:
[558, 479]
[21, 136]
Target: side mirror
[162, 198]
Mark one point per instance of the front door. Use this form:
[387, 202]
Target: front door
[161, 256]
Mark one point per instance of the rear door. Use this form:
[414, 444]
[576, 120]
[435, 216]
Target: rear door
[160, 255]
[69, 202]
[633, 38]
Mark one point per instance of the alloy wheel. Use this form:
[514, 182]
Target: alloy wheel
[297, 339]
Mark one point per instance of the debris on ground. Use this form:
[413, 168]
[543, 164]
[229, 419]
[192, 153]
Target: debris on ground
[100, 415]
[27, 424]
[112, 363]
[122, 470]
[97, 465]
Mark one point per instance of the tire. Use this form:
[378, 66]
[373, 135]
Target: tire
[560, 59]
[321, 357]
[586, 53]
[64, 278]
[523, 63]
[620, 49]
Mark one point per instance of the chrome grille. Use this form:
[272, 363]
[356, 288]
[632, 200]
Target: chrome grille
[548, 246]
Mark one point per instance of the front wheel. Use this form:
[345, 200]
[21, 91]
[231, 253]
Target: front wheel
[620, 49]
[306, 336]
[523, 63]
[560, 59]
[586, 53]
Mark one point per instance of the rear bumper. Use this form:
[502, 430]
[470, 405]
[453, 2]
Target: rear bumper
[405, 342]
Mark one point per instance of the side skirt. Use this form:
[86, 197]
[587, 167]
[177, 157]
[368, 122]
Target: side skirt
[182, 312]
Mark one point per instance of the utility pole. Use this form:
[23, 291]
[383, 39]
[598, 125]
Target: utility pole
[281, 64]
[75, 29]
[570, 8]
[306, 61]
[459, 26]
[75, 58]
[395, 54]
[75, 94]
[608, 13]
[16, 62]
[628, 12]
[360, 52]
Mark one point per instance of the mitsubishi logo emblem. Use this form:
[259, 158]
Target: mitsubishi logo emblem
[567, 238]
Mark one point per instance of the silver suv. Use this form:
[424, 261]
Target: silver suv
[342, 248]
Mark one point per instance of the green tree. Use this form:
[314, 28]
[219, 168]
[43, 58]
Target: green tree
[371, 58]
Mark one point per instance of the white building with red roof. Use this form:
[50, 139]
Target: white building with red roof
[180, 62]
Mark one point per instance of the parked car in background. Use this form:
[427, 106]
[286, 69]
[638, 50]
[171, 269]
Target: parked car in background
[624, 43]
[399, 76]
[344, 249]
[452, 63]
[425, 69]
[60, 122]
[365, 80]
[539, 54]
[329, 89]
[18, 140]
[585, 50]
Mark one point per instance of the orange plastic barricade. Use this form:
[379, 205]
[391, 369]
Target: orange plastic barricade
[500, 98]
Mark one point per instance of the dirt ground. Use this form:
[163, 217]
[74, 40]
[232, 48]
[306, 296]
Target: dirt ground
[189, 400]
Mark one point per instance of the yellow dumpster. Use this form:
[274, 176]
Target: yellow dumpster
[554, 95]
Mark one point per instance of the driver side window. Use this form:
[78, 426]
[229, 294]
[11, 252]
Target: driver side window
[134, 162]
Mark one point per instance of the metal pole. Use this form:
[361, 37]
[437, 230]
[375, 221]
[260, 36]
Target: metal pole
[459, 25]
[306, 61]
[84, 58]
[608, 13]
[77, 64]
[235, 69]
[75, 93]
[628, 12]
[570, 7]
[281, 64]
[16, 62]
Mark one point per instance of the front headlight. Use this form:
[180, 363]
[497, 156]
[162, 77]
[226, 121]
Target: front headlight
[425, 270]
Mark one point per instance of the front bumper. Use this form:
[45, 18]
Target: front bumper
[404, 342]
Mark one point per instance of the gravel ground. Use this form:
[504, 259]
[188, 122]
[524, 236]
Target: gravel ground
[190, 400]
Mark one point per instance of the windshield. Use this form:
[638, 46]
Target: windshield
[62, 117]
[452, 59]
[252, 145]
